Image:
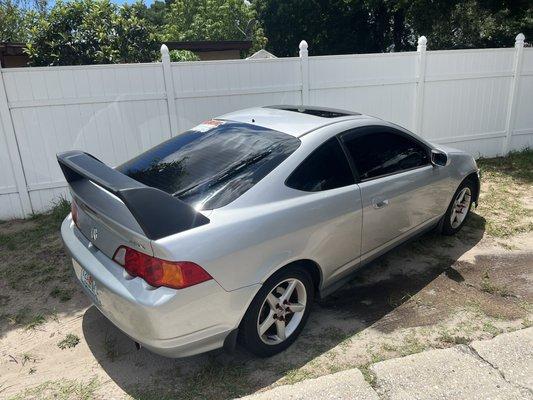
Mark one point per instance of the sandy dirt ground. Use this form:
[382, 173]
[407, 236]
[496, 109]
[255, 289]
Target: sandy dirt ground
[434, 292]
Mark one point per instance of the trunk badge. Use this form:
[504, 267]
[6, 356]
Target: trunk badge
[94, 234]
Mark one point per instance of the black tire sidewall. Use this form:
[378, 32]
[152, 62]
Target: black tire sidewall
[447, 228]
[248, 334]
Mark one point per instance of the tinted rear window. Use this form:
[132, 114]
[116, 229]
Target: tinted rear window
[212, 164]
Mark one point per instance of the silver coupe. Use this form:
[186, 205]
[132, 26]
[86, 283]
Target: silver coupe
[227, 232]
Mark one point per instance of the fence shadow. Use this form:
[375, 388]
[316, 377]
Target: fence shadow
[373, 298]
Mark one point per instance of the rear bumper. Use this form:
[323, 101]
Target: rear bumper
[169, 322]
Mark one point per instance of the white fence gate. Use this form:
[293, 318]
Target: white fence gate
[477, 100]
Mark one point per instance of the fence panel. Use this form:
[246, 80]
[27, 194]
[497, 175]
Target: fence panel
[466, 98]
[382, 85]
[113, 112]
[206, 89]
[523, 127]
[10, 206]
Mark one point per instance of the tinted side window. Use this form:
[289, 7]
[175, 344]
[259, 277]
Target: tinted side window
[380, 153]
[326, 168]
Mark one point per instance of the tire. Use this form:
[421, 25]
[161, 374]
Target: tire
[262, 312]
[452, 225]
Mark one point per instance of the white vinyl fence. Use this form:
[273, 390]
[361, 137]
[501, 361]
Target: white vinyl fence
[477, 100]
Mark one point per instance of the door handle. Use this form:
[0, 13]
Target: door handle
[379, 203]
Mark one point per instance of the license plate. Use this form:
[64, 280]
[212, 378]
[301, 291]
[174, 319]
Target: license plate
[87, 280]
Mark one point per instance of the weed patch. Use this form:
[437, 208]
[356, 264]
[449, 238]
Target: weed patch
[61, 390]
[503, 181]
[68, 342]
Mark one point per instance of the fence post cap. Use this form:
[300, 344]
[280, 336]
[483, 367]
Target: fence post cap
[520, 38]
[422, 41]
[164, 49]
[303, 45]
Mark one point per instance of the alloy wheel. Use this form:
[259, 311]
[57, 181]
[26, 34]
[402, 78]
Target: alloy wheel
[282, 311]
[461, 206]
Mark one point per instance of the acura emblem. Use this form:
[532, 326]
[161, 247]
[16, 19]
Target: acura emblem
[94, 234]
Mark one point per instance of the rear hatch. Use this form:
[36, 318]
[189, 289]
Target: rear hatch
[114, 209]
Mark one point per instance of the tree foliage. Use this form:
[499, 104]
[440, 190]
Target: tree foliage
[457, 24]
[358, 26]
[183, 55]
[99, 31]
[15, 17]
[91, 32]
[213, 20]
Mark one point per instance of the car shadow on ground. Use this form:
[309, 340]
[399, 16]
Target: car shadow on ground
[373, 298]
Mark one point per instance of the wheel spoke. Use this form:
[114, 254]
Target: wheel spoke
[296, 307]
[288, 292]
[280, 329]
[454, 215]
[267, 323]
[272, 301]
[462, 196]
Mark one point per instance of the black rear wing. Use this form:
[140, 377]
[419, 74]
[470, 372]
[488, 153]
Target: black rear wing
[158, 213]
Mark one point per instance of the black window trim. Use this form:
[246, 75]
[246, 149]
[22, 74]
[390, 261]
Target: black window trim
[348, 160]
[369, 129]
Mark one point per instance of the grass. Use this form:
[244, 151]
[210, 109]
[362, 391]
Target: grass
[60, 390]
[411, 345]
[62, 294]
[33, 265]
[26, 358]
[490, 287]
[33, 256]
[24, 317]
[68, 342]
[214, 380]
[491, 329]
[368, 374]
[504, 181]
[35, 321]
[447, 337]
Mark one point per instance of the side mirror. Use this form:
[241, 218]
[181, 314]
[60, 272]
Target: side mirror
[439, 158]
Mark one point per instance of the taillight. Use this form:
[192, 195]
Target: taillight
[157, 272]
[74, 212]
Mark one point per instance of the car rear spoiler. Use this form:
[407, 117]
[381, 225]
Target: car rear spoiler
[158, 213]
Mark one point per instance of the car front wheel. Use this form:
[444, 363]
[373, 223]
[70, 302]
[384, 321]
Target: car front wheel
[278, 312]
[459, 208]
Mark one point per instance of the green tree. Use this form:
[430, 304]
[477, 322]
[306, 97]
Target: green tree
[330, 26]
[183, 55]
[213, 20]
[91, 32]
[469, 24]
[12, 21]
[357, 26]
[156, 13]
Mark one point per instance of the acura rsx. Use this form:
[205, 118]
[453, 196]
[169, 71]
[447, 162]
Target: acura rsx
[229, 231]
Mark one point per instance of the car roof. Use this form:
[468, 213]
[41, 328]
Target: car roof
[295, 120]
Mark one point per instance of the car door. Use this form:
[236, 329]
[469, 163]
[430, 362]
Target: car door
[330, 210]
[399, 186]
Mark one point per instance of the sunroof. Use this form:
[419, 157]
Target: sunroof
[316, 111]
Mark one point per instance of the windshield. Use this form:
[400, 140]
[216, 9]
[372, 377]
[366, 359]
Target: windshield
[212, 164]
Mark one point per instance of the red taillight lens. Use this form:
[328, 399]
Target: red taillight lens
[158, 272]
[74, 212]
